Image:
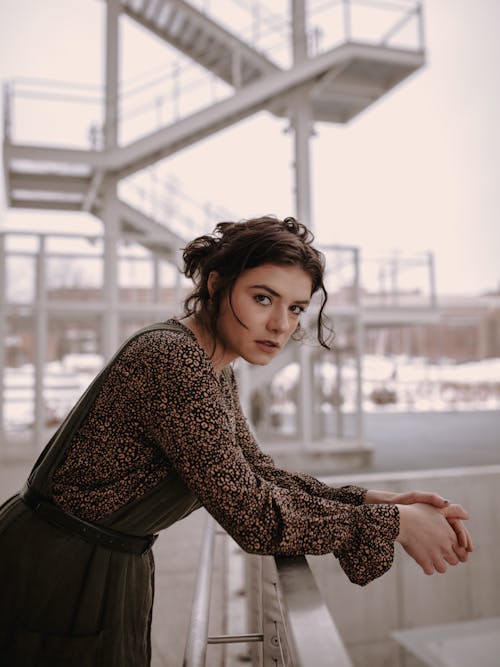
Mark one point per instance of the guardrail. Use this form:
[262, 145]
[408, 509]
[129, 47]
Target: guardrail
[297, 629]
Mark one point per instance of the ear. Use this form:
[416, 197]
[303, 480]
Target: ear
[213, 277]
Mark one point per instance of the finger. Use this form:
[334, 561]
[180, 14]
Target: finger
[430, 499]
[440, 566]
[460, 531]
[470, 544]
[465, 538]
[461, 553]
[455, 511]
[427, 567]
[451, 557]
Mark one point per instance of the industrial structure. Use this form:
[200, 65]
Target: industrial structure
[322, 62]
[78, 295]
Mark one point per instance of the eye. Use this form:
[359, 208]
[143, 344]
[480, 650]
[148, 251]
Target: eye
[263, 299]
[297, 310]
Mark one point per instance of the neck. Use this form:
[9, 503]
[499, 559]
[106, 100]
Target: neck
[206, 341]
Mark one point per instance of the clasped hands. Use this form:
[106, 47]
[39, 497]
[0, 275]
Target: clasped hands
[431, 530]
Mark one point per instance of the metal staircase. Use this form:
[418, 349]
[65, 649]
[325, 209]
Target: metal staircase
[340, 83]
[334, 83]
[198, 36]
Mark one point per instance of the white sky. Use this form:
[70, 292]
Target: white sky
[417, 171]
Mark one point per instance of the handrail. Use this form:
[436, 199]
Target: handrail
[198, 638]
[196, 643]
[311, 634]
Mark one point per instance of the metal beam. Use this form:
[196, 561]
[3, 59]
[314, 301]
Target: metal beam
[46, 205]
[56, 156]
[244, 103]
[50, 182]
[93, 190]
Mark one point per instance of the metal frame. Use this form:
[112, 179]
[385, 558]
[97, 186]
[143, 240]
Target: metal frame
[298, 630]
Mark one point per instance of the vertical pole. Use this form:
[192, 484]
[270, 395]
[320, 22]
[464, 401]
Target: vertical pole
[111, 73]
[432, 280]
[178, 292]
[156, 296]
[421, 26]
[110, 207]
[255, 23]
[395, 279]
[111, 221]
[347, 19]
[7, 112]
[339, 414]
[40, 344]
[359, 351]
[236, 68]
[302, 121]
[299, 32]
[3, 337]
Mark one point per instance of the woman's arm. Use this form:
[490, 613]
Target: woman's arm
[264, 465]
[186, 413]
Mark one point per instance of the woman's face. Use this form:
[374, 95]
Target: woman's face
[268, 300]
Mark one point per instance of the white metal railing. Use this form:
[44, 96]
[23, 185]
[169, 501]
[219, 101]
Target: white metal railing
[161, 197]
[297, 628]
[60, 276]
[198, 638]
[397, 281]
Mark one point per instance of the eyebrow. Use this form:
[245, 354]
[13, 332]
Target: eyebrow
[275, 293]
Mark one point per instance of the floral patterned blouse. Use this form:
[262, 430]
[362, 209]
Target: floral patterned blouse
[162, 407]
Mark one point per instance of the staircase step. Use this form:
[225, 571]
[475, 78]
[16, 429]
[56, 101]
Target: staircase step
[199, 37]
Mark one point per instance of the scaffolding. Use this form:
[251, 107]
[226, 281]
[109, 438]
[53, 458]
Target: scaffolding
[319, 61]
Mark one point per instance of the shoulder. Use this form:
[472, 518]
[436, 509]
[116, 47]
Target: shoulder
[165, 346]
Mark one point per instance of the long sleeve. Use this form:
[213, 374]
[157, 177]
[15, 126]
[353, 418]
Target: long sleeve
[263, 465]
[188, 414]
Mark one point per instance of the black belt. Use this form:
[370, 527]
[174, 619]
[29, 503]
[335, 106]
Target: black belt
[90, 532]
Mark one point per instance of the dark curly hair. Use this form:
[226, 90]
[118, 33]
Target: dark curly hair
[234, 247]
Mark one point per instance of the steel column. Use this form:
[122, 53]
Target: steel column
[111, 220]
[3, 337]
[301, 121]
[359, 351]
[40, 345]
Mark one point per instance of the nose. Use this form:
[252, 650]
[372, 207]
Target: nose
[278, 320]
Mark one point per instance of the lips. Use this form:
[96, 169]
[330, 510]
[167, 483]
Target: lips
[272, 345]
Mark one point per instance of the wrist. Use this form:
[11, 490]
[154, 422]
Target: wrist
[403, 523]
[375, 497]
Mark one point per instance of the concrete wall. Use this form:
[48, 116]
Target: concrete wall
[405, 597]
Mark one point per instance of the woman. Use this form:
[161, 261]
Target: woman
[160, 433]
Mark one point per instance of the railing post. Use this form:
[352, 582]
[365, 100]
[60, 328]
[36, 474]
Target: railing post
[432, 280]
[421, 26]
[196, 644]
[3, 338]
[40, 344]
[236, 68]
[347, 19]
[7, 112]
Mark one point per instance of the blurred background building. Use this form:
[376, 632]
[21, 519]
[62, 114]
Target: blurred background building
[99, 158]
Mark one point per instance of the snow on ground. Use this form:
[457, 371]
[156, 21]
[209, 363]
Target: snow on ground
[417, 384]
